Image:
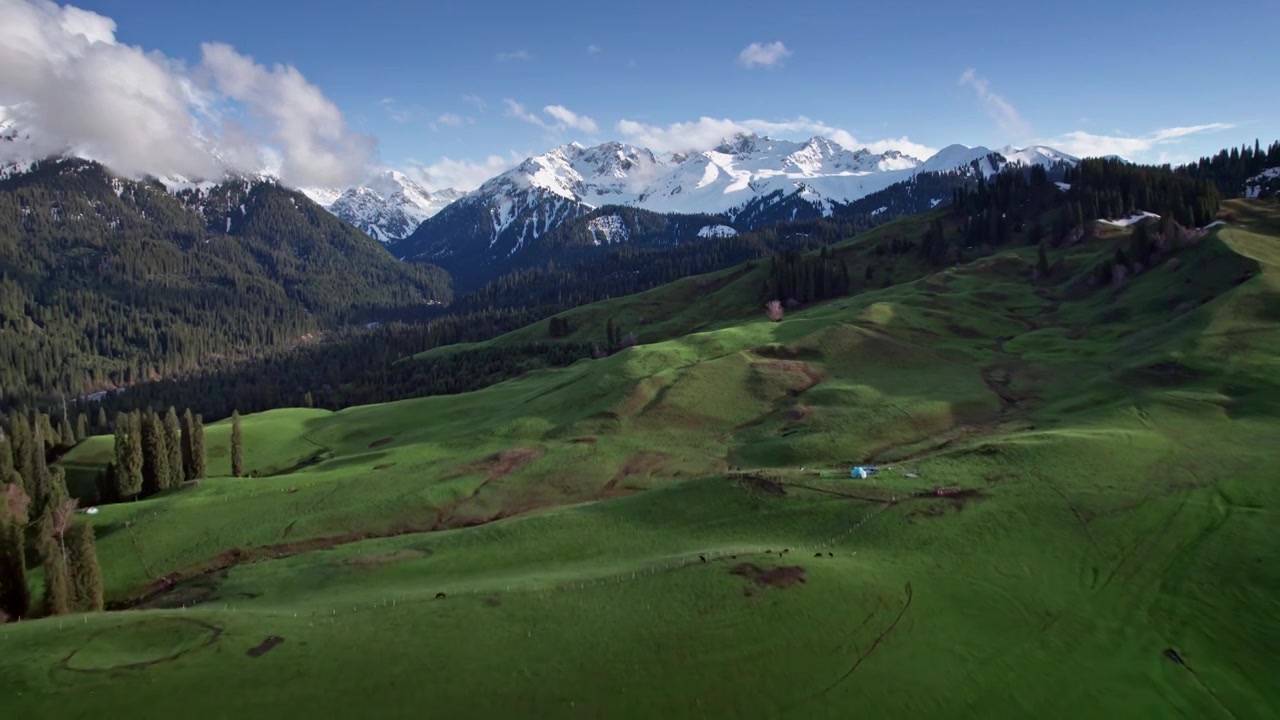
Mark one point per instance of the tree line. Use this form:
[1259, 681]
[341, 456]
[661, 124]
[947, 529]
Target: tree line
[36, 510]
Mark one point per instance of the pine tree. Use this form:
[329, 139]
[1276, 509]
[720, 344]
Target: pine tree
[82, 427]
[128, 457]
[54, 523]
[173, 445]
[102, 425]
[197, 446]
[307, 400]
[86, 573]
[121, 456]
[48, 432]
[15, 594]
[155, 456]
[188, 445]
[23, 457]
[66, 433]
[237, 446]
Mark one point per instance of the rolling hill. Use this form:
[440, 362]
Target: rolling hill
[1072, 473]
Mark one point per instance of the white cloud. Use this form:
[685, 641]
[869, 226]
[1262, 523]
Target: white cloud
[565, 119]
[458, 174]
[475, 101]
[520, 55]
[766, 54]
[310, 131]
[569, 118]
[395, 112]
[594, 49]
[1136, 148]
[1007, 117]
[706, 132]
[518, 111]
[450, 119]
[74, 88]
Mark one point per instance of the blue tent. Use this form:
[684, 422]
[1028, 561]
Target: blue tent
[862, 472]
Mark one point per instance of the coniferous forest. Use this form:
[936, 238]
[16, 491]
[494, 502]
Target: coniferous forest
[248, 296]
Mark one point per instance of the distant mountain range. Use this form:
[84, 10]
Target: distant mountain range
[745, 182]
[388, 206]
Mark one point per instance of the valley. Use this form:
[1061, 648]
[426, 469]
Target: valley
[705, 418]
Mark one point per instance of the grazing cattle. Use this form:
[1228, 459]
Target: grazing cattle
[703, 558]
[439, 596]
[817, 554]
[830, 555]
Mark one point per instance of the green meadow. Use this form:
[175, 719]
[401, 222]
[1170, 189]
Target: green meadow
[672, 531]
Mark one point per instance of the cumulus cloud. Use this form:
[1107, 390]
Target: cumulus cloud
[763, 54]
[1137, 148]
[450, 119]
[706, 132]
[518, 111]
[73, 87]
[565, 119]
[594, 49]
[569, 118]
[458, 174]
[520, 55]
[1006, 116]
[475, 101]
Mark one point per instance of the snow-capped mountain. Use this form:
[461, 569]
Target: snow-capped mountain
[389, 206]
[747, 180]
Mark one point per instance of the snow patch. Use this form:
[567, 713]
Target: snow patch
[607, 230]
[1063, 186]
[716, 231]
[877, 211]
[1126, 222]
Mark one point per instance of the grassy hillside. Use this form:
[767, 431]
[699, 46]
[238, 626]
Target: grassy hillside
[1108, 549]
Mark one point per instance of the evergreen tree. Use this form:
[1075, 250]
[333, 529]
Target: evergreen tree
[197, 446]
[173, 446]
[237, 446]
[128, 457]
[15, 594]
[54, 523]
[66, 433]
[23, 457]
[8, 471]
[155, 456]
[82, 427]
[188, 445]
[102, 425]
[307, 400]
[1042, 262]
[86, 574]
[48, 432]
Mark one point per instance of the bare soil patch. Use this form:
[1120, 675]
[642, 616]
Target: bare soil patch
[808, 376]
[799, 413]
[585, 440]
[776, 577]
[265, 646]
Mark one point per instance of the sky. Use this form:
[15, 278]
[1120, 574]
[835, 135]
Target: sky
[452, 93]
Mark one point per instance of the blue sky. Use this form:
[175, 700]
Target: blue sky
[458, 89]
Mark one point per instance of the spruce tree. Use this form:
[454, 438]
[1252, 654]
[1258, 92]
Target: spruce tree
[48, 432]
[237, 446]
[82, 427]
[197, 446]
[23, 458]
[131, 471]
[188, 440]
[57, 587]
[173, 445]
[15, 594]
[66, 433]
[86, 573]
[155, 456]
[102, 425]
[121, 456]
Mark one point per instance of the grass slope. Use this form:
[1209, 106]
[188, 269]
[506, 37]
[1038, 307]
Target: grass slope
[1113, 552]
